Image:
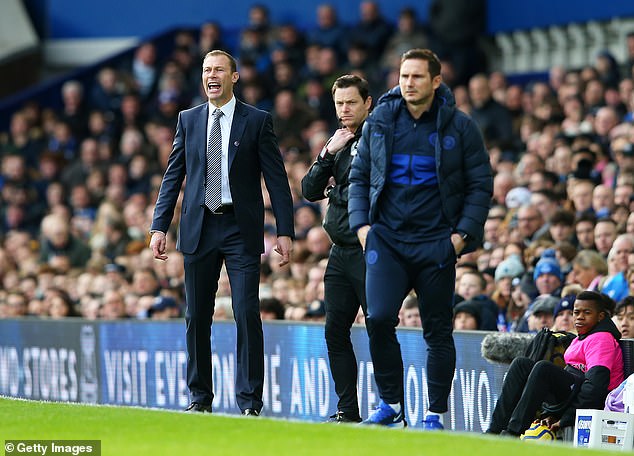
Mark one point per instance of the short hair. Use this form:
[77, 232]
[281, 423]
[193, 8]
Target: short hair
[232, 61]
[604, 302]
[546, 192]
[352, 80]
[563, 217]
[432, 59]
[586, 217]
[274, 306]
[479, 276]
[587, 259]
[411, 302]
[609, 220]
[623, 303]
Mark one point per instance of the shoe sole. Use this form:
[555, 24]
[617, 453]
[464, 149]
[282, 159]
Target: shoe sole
[397, 425]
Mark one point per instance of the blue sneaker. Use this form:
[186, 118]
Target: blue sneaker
[384, 415]
[432, 423]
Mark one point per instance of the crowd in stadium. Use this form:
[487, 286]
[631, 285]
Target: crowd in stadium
[78, 185]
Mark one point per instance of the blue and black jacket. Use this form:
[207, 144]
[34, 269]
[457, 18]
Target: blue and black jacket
[465, 179]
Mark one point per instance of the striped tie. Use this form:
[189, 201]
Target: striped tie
[213, 189]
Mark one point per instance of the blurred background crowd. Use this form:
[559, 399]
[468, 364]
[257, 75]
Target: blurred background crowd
[78, 184]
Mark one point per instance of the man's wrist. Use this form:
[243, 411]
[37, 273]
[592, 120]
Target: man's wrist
[158, 231]
[463, 235]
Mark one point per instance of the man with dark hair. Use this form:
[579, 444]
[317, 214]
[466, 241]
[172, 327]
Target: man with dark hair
[344, 279]
[420, 188]
[584, 230]
[224, 147]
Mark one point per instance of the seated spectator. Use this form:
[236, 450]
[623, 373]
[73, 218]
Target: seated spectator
[409, 316]
[588, 269]
[505, 272]
[271, 309]
[563, 314]
[466, 316]
[113, 306]
[594, 366]
[584, 231]
[547, 274]
[615, 284]
[316, 311]
[163, 308]
[624, 317]
[541, 314]
[62, 306]
[58, 241]
[604, 235]
[15, 305]
[472, 288]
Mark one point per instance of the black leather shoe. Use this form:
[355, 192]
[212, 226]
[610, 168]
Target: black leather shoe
[195, 407]
[250, 412]
[341, 417]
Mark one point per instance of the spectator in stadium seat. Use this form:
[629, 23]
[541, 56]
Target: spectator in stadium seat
[372, 30]
[584, 231]
[58, 240]
[163, 308]
[615, 284]
[588, 269]
[271, 309]
[21, 142]
[107, 91]
[408, 35]
[113, 306]
[624, 317]
[409, 316]
[529, 222]
[74, 111]
[467, 316]
[604, 235]
[563, 318]
[145, 71]
[328, 32]
[493, 119]
[15, 304]
[541, 314]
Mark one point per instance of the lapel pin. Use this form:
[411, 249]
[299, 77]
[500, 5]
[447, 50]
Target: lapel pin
[236, 143]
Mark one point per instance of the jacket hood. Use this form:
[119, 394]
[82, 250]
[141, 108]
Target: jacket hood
[605, 325]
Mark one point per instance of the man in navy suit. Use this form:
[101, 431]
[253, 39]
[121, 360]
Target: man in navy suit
[226, 227]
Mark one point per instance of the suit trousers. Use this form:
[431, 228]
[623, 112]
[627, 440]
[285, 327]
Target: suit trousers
[526, 386]
[220, 242]
[344, 283]
[394, 267]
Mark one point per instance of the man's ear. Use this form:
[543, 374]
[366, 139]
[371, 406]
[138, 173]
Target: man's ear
[436, 81]
[235, 76]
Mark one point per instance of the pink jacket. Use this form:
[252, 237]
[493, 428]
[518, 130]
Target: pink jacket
[597, 349]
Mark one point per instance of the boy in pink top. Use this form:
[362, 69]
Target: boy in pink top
[594, 366]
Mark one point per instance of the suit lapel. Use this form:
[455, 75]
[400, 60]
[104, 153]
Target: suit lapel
[237, 129]
[201, 123]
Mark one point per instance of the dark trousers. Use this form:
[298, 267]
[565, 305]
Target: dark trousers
[527, 385]
[221, 241]
[393, 269]
[344, 283]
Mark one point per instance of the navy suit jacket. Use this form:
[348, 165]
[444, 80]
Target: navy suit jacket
[253, 152]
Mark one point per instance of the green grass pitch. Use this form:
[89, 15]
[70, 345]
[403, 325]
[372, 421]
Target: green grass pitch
[135, 431]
